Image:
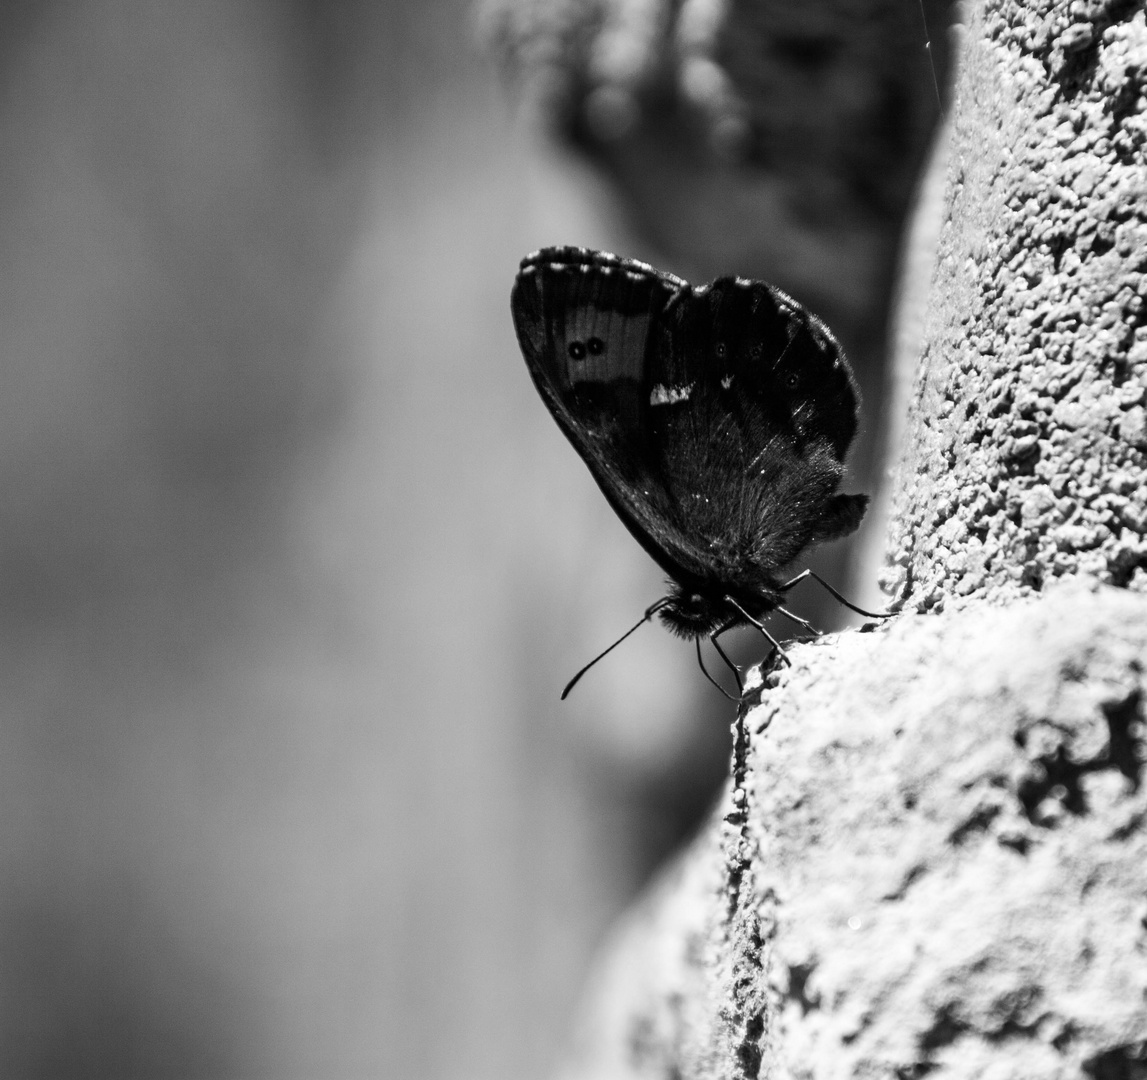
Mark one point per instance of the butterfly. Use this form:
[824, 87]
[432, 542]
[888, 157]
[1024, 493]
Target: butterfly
[714, 418]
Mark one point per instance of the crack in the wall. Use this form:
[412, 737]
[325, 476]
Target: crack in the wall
[1072, 59]
[1127, 1062]
[747, 1006]
[1125, 736]
[1022, 1022]
[1054, 781]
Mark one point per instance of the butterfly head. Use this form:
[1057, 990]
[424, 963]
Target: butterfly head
[692, 613]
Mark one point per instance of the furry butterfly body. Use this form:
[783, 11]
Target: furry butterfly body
[714, 418]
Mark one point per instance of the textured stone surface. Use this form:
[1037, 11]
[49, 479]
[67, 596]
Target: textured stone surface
[932, 862]
[1025, 453]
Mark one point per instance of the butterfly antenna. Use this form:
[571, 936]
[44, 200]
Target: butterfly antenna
[824, 584]
[761, 626]
[649, 613]
[705, 671]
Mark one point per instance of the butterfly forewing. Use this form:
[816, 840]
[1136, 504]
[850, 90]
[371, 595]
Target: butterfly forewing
[584, 318]
[821, 391]
[563, 299]
[778, 358]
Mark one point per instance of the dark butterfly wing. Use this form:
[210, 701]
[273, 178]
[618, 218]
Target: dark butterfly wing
[715, 420]
[756, 451]
[586, 324]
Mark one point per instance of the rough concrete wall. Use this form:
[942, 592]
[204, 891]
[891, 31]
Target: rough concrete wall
[932, 857]
[932, 861]
[1024, 459]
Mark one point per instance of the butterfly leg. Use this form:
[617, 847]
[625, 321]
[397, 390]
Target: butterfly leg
[804, 623]
[824, 584]
[705, 671]
[725, 656]
[761, 627]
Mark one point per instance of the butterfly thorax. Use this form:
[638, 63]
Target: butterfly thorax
[698, 612]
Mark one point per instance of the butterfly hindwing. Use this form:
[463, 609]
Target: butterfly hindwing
[756, 440]
[776, 358]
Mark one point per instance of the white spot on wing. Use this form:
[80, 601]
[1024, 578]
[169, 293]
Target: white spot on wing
[727, 381]
[669, 395]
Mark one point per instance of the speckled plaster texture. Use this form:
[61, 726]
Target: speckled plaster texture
[931, 862]
[1025, 458]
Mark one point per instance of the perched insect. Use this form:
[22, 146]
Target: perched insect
[714, 418]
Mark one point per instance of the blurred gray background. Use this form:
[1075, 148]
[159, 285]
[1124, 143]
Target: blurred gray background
[294, 564]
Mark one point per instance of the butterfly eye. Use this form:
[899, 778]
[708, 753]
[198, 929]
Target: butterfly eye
[596, 346]
[755, 351]
[577, 350]
[792, 380]
[720, 350]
